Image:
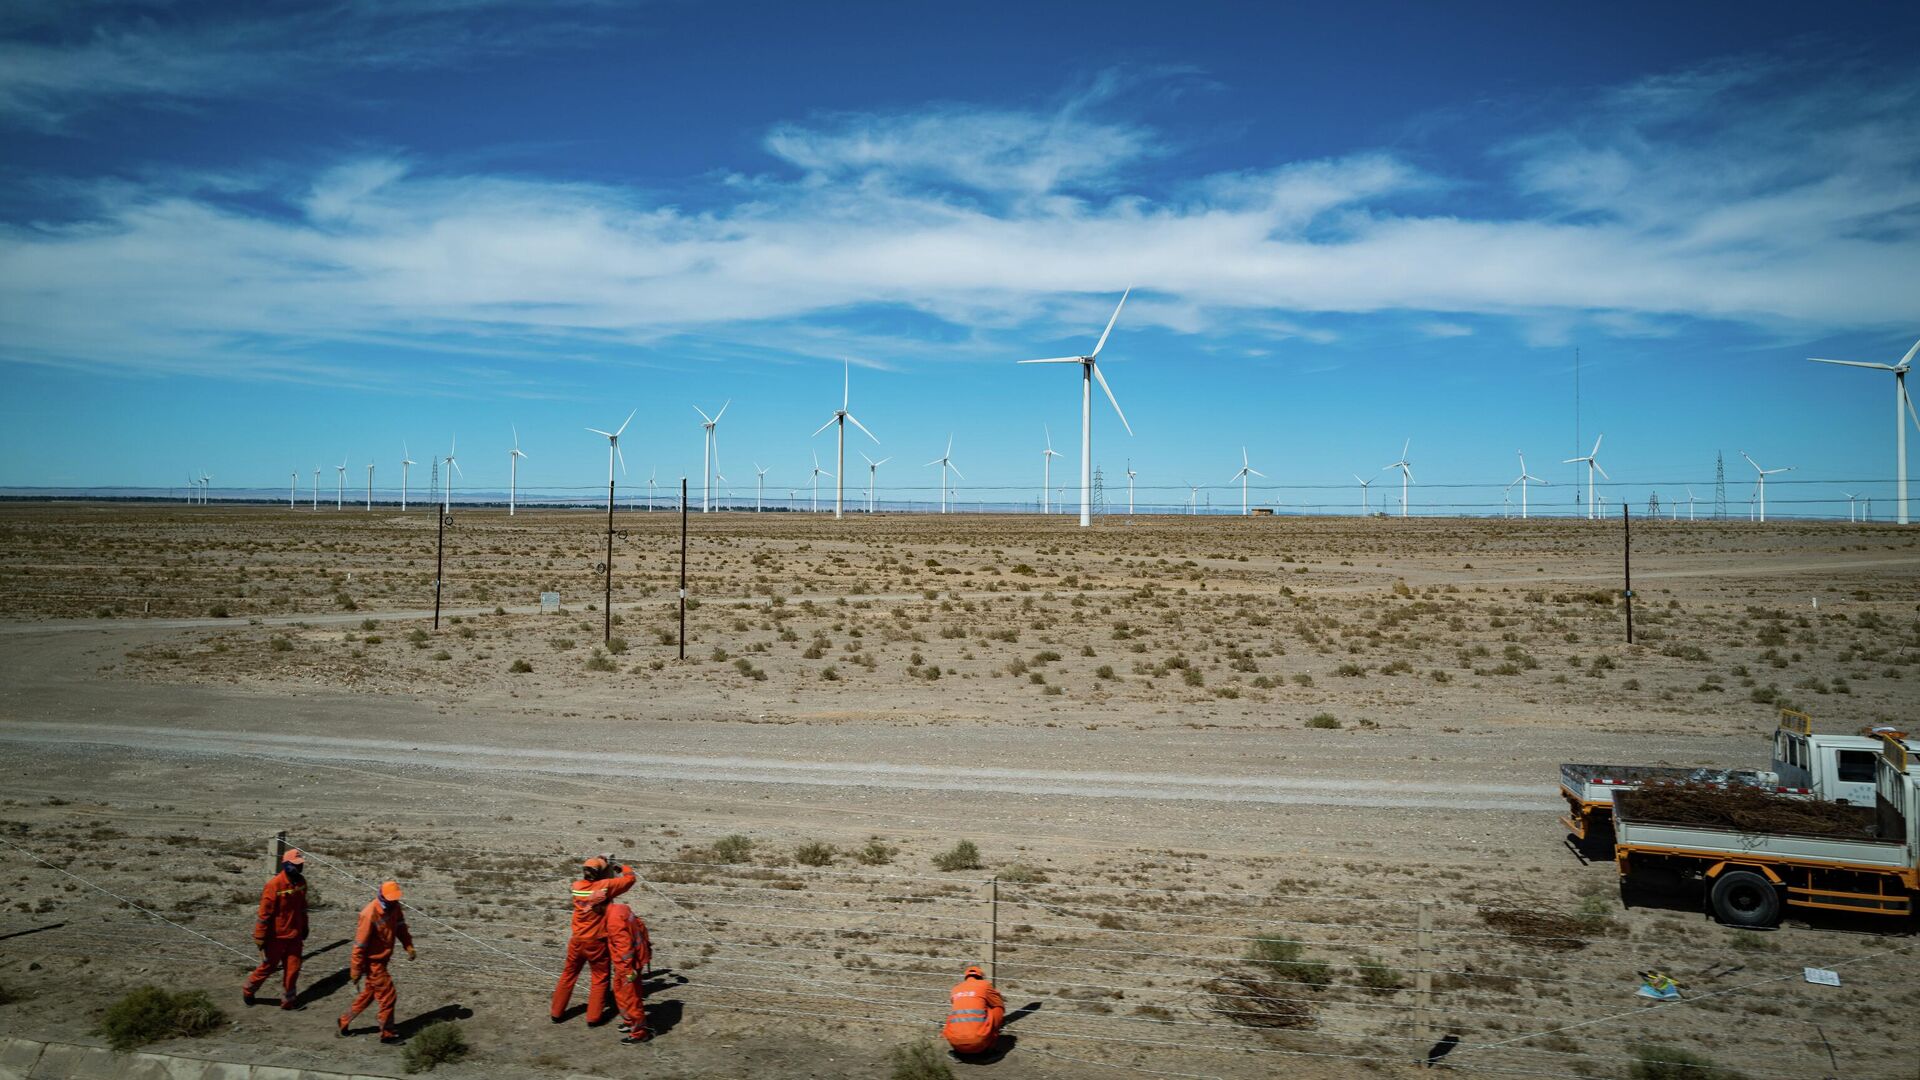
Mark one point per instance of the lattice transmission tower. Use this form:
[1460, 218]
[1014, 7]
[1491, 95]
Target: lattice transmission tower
[1720, 486]
[1099, 492]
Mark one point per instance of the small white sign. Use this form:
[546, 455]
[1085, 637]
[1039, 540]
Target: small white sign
[549, 603]
[1823, 976]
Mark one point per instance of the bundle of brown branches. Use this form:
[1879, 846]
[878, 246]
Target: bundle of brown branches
[1747, 809]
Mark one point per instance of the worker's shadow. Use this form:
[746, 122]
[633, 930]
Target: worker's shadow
[412, 1026]
[1005, 1044]
[662, 1017]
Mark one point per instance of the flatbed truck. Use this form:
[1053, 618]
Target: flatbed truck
[1751, 877]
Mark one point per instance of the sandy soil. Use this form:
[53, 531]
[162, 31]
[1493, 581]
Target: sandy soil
[1118, 719]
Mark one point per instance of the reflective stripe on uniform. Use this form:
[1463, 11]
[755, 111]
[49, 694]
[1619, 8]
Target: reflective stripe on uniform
[962, 1013]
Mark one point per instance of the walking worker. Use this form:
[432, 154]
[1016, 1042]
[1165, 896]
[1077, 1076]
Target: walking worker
[973, 1024]
[280, 931]
[631, 951]
[601, 880]
[381, 923]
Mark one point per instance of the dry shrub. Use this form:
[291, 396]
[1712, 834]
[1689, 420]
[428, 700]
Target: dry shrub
[1259, 1001]
[1747, 809]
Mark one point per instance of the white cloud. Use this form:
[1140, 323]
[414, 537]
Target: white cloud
[996, 220]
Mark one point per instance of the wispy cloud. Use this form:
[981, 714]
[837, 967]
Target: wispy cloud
[1675, 199]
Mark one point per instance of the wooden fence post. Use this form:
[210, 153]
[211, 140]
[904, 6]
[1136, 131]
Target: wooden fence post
[1423, 974]
[276, 849]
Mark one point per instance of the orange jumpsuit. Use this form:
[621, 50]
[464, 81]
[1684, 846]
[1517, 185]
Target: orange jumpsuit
[381, 922]
[632, 952]
[973, 1025]
[280, 931]
[587, 947]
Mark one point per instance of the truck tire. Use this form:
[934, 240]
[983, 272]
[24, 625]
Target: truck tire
[1744, 898]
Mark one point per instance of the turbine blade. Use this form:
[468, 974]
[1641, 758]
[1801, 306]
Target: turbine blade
[1110, 321]
[723, 411]
[1054, 360]
[1408, 469]
[1603, 472]
[622, 458]
[1596, 445]
[856, 423]
[1111, 400]
[865, 458]
[1857, 363]
[1404, 447]
[956, 470]
[846, 383]
[623, 423]
[825, 426]
[935, 461]
[1258, 473]
[602, 434]
[1908, 359]
[882, 461]
[1905, 393]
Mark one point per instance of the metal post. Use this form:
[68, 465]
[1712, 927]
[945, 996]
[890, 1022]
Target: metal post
[277, 849]
[1423, 974]
[683, 568]
[607, 601]
[439, 567]
[1626, 554]
[993, 934]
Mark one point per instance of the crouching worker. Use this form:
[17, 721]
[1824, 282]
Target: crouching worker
[601, 880]
[973, 1025]
[381, 924]
[631, 951]
[280, 930]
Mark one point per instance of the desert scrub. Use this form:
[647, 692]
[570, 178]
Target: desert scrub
[151, 1014]
[1280, 958]
[733, 848]
[519, 667]
[918, 1061]
[877, 852]
[279, 644]
[1658, 1061]
[438, 1044]
[1324, 720]
[617, 645]
[1021, 874]
[964, 855]
[1377, 977]
[814, 853]
[443, 655]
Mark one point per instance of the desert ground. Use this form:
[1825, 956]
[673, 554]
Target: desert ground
[1249, 796]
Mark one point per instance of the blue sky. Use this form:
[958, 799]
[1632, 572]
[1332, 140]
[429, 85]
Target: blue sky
[257, 238]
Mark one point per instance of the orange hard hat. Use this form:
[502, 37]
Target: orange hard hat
[595, 863]
[293, 856]
[390, 890]
[974, 973]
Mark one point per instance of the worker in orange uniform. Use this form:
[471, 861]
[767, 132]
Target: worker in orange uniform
[280, 931]
[601, 880]
[381, 923]
[973, 1024]
[631, 951]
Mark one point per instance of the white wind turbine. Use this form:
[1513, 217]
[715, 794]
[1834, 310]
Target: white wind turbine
[1850, 498]
[711, 460]
[1246, 470]
[1592, 459]
[453, 466]
[293, 485]
[1523, 480]
[316, 487]
[1193, 498]
[1690, 502]
[759, 489]
[406, 464]
[1406, 474]
[340, 490]
[513, 476]
[614, 454]
[193, 490]
[1046, 467]
[1762, 488]
[206, 487]
[945, 461]
[873, 468]
[1364, 485]
[369, 487]
[652, 474]
[814, 507]
[1902, 409]
[1130, 475]
[840, 418]
[1089, 372]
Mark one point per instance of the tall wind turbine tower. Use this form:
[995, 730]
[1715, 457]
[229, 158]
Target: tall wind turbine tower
[1406, 473]
[1523, 480]
[1246, 470]
[759, 489]
[1902, 409]
[1761, 489]
[406, 465]
[446, 505]
[1592, 460]
[340, 491]
[814, 506]
[369, 487]
[840, 418]
[1089, 372]
[1364, 484]
[945, 461]
[513, 475]
[1130, 475]
[316, 487]
[711, 459]
[1046, 471]
[293, 485]
[873, 469]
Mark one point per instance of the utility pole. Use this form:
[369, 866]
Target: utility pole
[439, 567]
[1626, 555]
[683, 568]
[606, 603]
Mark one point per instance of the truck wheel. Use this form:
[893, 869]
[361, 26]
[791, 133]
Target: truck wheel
[1744, 898]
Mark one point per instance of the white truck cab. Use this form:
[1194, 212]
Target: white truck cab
[1834, 768]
